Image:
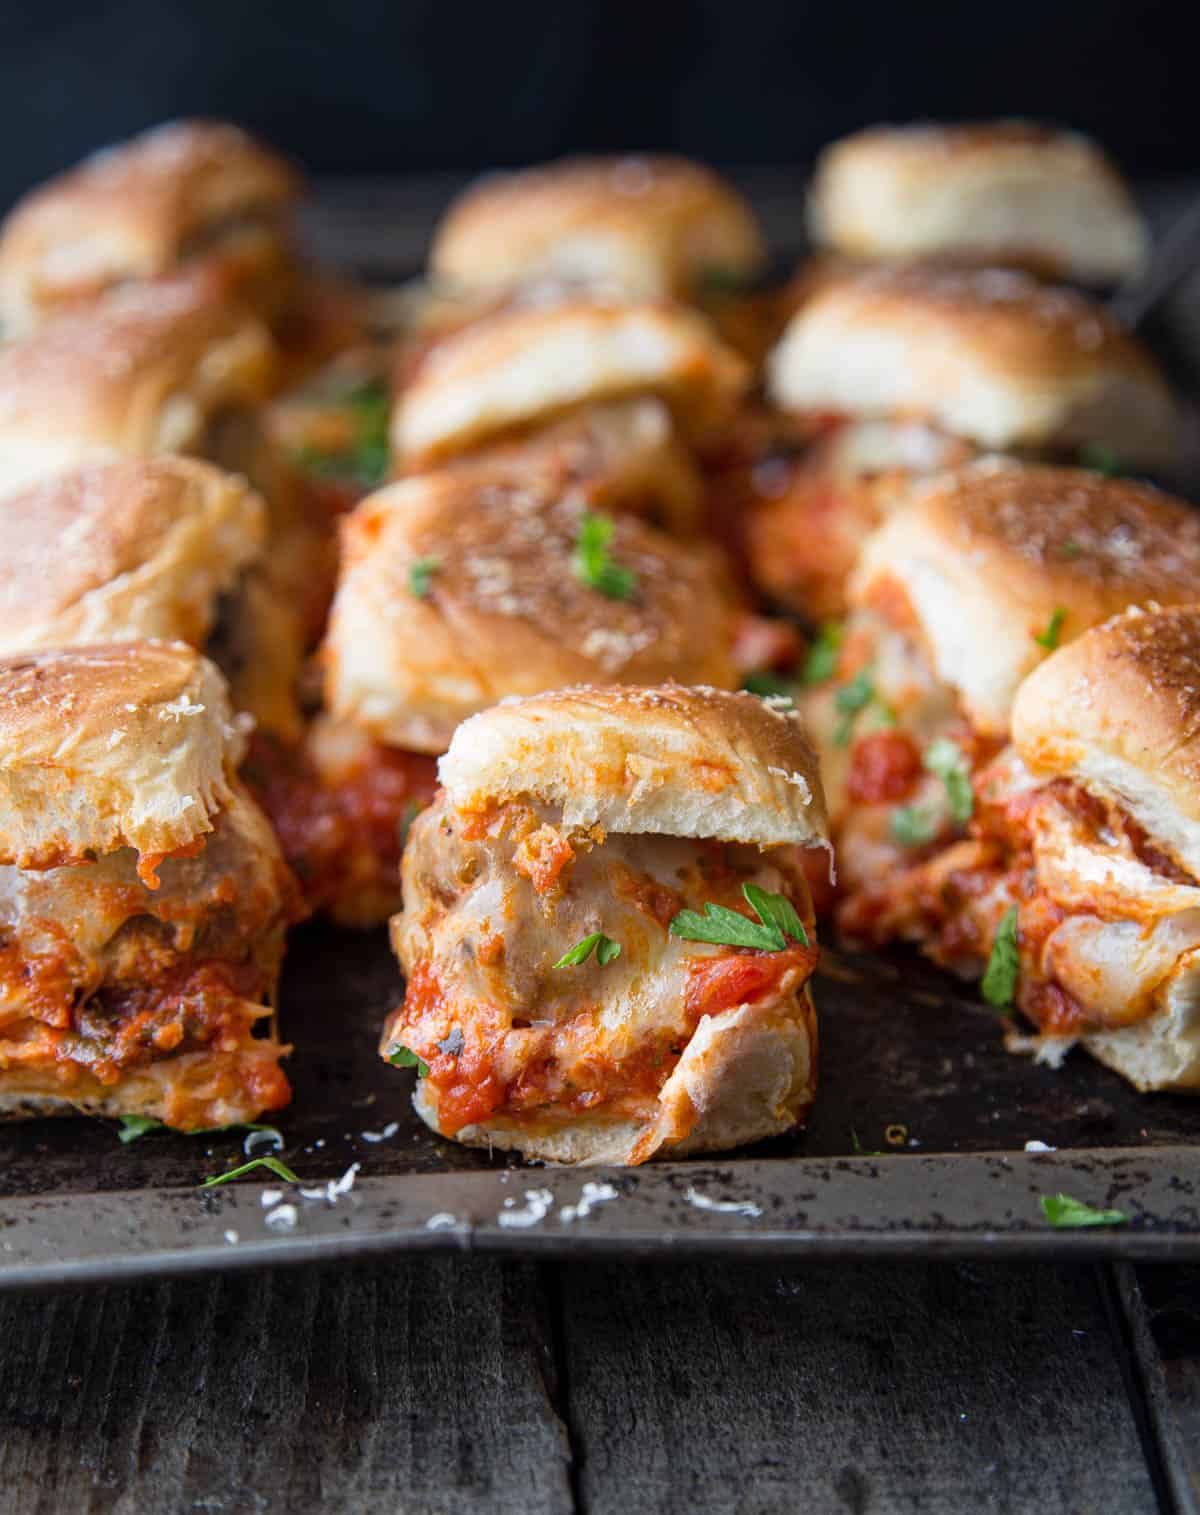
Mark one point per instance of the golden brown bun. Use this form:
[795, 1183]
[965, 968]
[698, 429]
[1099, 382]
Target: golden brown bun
[689, 762]
[989, 355]
[134, 212]
[505, 612]
[644, 227]
[1118, 711]
[1005, 192]
[525, 366]
[128, 745]
[123, 551]
[141, 372]
[988, 555]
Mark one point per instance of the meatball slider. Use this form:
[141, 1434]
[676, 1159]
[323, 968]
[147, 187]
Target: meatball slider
[1095, 903]
[606, 936]
[521, 368]
[905, 372]
[143, 899]
[641, 227]
[958, 598]
[1005, 193]
[455, 593]
[192, 193]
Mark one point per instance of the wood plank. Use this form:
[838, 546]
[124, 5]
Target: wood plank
[424, 1386]
[931, 1388]
[1162, 1306]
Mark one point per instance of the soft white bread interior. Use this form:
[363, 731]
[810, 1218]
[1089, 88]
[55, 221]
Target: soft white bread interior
[127, 745]
[124, 551]
[1118, 712]
[456, 591]
[990, 557]
[645, 227]
[527, 365]
[988, 355]
[685, 762]
[1004, 192]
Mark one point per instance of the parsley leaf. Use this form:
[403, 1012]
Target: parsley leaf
[420, 576]
[133, 1126]
[767, 685]
[947, 761]
[849, 701]
[822, 660]
[913, 826]
[603, 946]
[365, 460]
[1101, 459]
[594, 565]
[1004, 963]
[281, 1170]
[1063, 1211]
[401, 1057]
[777, 920]
[1049, 639]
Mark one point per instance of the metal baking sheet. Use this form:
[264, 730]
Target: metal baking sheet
[916, 1147]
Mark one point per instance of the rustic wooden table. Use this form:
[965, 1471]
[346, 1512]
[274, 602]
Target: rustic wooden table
[469, 1384]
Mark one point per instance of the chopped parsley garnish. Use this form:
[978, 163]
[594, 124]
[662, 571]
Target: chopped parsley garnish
[821, 662]
[849, 701]
[1063, 1211]
[411, 811]
[947, 761]
[401, 1057]
[1071, 550]
[1049, 639]
[767, 685]
[603, 946]
[420, 576]
[718, 282]
[859, 1150]
[133, 1126]
[1101, 459]
[593, 563]
[777, 920]
[913, 825]
[1004, 963]
[280, 1170]
[365, 460]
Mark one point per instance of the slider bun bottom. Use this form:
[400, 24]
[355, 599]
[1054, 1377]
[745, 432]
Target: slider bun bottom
[1162, 1052]
[748, 1073]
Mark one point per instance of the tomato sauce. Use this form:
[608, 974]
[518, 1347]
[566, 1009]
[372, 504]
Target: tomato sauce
[885, 767]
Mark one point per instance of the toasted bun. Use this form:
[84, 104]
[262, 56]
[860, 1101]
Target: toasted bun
[693, 762]
[743, 1077]
[988, 555]
[123, 551]
[641, 227]
[107, 747]
[505, 612]
[1161, 1052]
[134, 212]
[142, 371]
[1004, 192]
[1118, 711]
[526, 365]
[989, 355]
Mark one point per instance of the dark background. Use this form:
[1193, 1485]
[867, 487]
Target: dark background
[389, 86]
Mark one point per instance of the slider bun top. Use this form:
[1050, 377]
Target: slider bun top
[127, 745]
[505, 612]
[998, 192]
[142, 371]
[123, 551]
[1118, 711]
[134, 212]
[642, 227]
[526, 365]
[987, 555]
[989, 355]
[687, 762]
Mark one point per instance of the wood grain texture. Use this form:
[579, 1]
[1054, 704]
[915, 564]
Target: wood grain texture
[422, 1387]
[932, 1388]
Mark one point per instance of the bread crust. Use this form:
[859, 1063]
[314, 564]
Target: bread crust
[988, 556]
[687, 762]
[504, 612]
[1008, 192]
[528, 365]
[988, 355]
[143, 371]
[124, 551]
[646, 227]
[126, 745]
[134, 212]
